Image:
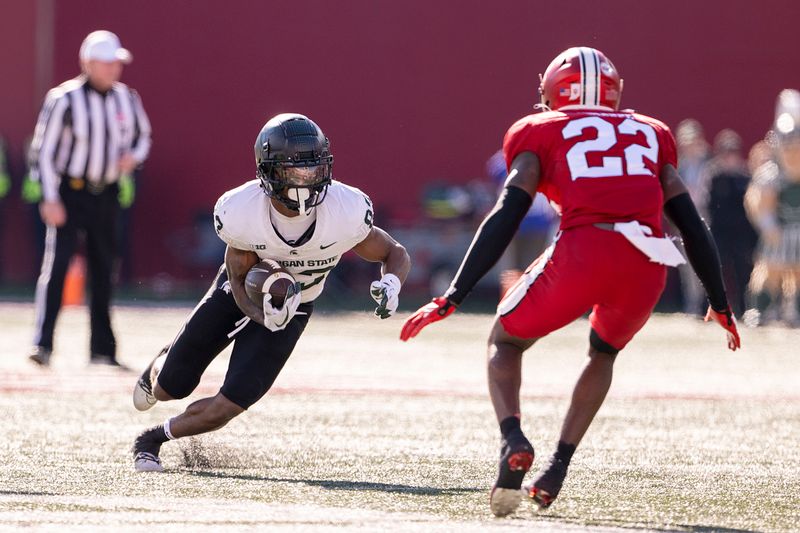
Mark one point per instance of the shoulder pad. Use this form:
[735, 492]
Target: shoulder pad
[356, 206]
[228, 220]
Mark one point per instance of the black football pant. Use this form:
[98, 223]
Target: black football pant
[258, 354]
[736, 256]
[95, 216]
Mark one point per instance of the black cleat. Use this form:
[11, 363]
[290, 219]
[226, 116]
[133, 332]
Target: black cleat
[97, 359]
[40, 355]
[147, 462]
[145, 451]
[548, 482]
[516, 458]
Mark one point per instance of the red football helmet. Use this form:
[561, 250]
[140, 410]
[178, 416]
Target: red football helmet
[580, 76]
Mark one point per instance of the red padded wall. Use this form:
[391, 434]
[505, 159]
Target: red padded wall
[407, 91]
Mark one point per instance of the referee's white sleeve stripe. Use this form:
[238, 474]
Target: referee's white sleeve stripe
[46, 160]
[97, 137]
[38, 134]
[142, 148]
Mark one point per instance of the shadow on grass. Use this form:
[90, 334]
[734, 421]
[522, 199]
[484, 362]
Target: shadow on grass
[622, 524]
[344, 485]
[26, 493]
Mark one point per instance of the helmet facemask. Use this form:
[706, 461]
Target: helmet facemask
[293, 161]
[298, 185]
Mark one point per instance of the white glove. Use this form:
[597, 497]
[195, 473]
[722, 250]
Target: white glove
[276, 319]
[385, 292]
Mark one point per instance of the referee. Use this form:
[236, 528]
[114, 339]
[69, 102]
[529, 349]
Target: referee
[91, 134]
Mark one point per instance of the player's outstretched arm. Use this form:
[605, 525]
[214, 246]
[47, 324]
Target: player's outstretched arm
[701, 250]
[489, 243]
[380, 247]
[237, 264]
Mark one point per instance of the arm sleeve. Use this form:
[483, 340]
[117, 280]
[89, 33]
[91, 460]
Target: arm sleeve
[491, 240]
[700, 248]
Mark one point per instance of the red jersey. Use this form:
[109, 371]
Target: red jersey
[597, 165]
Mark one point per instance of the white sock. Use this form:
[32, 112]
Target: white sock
[166, 429]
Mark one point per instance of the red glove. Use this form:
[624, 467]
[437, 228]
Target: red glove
[727, 321]
[438, 309]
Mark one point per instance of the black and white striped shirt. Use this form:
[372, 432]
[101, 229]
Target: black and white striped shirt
[82, 133]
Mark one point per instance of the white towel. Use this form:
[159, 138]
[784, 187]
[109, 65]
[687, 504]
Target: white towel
[660, 250]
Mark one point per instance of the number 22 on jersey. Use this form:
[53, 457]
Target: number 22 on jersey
[607, 137]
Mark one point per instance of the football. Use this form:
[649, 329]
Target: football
[269, 277]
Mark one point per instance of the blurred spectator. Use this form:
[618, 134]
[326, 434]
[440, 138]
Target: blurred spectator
[693, 155]
[535, 231]
[457, 209]
[446, 202]
[773, 202]
[724, 183]
[5, 183]
[759, 153]
[5, 179]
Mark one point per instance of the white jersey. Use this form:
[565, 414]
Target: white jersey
[344, 219]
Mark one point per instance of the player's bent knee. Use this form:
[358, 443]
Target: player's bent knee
[501, 341]
[504, 361]
[599, 347]
[501, 350]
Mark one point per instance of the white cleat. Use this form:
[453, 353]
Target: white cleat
[147, 462]
[503, 502]
[143, 398]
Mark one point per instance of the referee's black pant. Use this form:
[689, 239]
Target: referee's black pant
[94, 215]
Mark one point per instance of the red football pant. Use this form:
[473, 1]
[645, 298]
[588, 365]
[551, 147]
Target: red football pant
[586, 267]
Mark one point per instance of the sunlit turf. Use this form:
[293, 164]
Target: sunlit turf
[363, 432]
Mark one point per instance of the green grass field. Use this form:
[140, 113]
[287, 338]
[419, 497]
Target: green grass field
[365, 433]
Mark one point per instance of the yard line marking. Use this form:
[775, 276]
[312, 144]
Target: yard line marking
[105, 383]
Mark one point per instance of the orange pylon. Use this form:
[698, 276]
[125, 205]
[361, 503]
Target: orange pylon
[75, 282]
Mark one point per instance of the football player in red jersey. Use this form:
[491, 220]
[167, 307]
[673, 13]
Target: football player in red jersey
[612, 175]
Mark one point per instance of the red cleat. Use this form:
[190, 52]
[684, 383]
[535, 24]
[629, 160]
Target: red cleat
[548, 482]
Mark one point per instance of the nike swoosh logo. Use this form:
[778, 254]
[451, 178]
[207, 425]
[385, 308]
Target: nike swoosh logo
[284, 321]
[321, 247]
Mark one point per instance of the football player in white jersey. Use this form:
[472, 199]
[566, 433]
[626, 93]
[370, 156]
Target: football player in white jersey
[295, 214]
